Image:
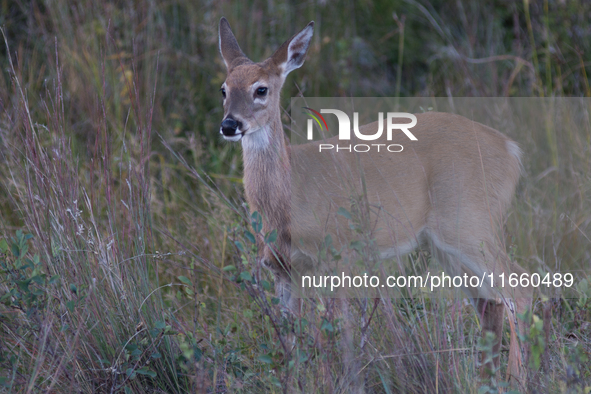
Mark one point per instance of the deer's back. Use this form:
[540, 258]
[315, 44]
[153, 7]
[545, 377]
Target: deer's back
[457, 168]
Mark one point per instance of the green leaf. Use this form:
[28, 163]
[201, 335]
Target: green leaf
[583, 286]
[15, 251]
[271, 237]
[6, 298]
[147, 372]
[276, 382]
[73, 288]
[24, 285]
[3, 245]
[244, 259]
[239, 246]
[245, 275]
[266, 359]
[185, 280]
[229, 268]
[343, 212]
[327, 326]
[266, 285]
[161, 325]
[357, 245]
[483, 389]
[257, 222]
[300, 325]
[130, 373]
[37, 292]
[198, 353]
[249, 236]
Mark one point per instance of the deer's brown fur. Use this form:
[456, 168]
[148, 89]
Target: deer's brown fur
[451, 191]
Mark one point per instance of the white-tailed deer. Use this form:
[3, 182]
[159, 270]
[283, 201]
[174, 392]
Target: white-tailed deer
[450, 191]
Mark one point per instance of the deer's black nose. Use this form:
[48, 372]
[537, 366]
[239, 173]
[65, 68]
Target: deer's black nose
[229, 126]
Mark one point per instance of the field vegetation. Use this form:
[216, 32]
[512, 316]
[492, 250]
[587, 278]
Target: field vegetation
[126, 256]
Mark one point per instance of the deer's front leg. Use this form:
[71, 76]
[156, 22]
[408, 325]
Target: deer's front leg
[287, 303]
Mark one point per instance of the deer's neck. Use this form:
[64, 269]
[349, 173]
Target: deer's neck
[267, 173]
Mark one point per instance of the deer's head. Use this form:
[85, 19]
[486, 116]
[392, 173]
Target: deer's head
[251, 90]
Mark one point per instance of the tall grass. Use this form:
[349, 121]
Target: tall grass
[141, 276]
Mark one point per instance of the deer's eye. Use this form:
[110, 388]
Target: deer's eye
[223, 92]
[262, 92]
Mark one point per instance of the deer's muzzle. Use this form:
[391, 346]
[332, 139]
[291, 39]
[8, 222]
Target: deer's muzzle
[230, 127]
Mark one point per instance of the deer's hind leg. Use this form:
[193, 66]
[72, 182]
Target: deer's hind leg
[516, 373]
[492, 318]
[464, 253]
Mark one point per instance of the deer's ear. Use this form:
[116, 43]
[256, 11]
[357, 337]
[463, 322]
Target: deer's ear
[229, 48]
[292, 53]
